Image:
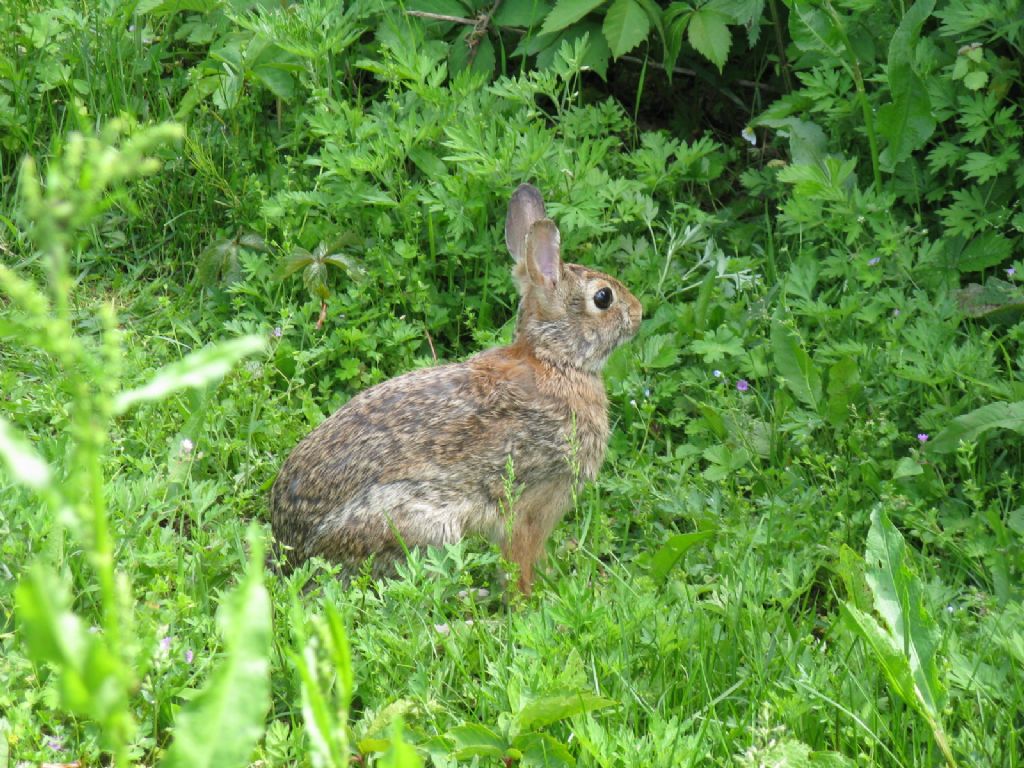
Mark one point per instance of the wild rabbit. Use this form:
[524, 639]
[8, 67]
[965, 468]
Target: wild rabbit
[426, 456]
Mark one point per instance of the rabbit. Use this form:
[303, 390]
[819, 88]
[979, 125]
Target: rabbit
[424, 459]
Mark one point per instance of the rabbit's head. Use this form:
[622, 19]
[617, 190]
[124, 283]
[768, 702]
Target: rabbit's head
[569, 315]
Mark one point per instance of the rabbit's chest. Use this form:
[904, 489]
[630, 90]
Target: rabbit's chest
[590, 442]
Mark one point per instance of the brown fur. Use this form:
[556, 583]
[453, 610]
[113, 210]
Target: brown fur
[425, 455]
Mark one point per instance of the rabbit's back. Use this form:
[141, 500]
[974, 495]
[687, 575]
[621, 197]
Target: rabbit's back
[426, 455]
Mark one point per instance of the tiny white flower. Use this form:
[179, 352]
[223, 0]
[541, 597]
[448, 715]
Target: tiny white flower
[187, 446]
[749, 135]
[442, 629]
[716, 373]
[482, 593]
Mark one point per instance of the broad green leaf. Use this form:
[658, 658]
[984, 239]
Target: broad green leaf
[906, 122]
[170, 7]
[995, 297]
[20, 458]
[844, 387]
[813, 30]
[626, 25]
[895, 665]
[851, 571]
[221, 726]
[277, 80]
[709, 34]
[897, 592]
[473, 739]
[92, 681]
[907, 467]
[672, 551]
[539, 750]
[522, 14]
[545, 710]
[675, 18]
[400, 754]
[195, 370]
[568, 12]
[53, 633]
[976, 80]
[973, 425]
[795, 365]
[480, 60]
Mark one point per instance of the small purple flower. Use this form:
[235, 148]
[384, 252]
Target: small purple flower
[895, 313]
[189, 656]
[742, 385]
[922, 437]
[716, 373]
[55, 745]
[165, 644]
[874, 261]
[1010, 272]
[276, 333]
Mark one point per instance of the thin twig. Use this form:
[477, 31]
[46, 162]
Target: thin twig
[430, 341]
[441, 17]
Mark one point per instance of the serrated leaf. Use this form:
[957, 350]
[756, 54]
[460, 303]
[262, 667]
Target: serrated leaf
[567, 12]
[625, 26]
[222, 725]
[973, 425]
[795, 365]
[545, 710]
[709, 34]
[195, 370]
[983, 251]
[20, 458]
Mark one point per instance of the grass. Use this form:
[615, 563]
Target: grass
[804, 548]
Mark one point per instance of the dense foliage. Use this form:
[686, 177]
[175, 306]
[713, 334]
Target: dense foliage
[221, 219]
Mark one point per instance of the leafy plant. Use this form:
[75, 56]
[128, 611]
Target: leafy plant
[906, 645]
[520, 740]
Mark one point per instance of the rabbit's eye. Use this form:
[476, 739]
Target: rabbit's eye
[603, 298]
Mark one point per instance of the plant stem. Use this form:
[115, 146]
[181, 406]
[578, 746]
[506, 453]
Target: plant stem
[862, 96]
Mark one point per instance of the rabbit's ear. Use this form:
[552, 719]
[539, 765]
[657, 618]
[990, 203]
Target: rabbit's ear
[524, 208]
[543, 254]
